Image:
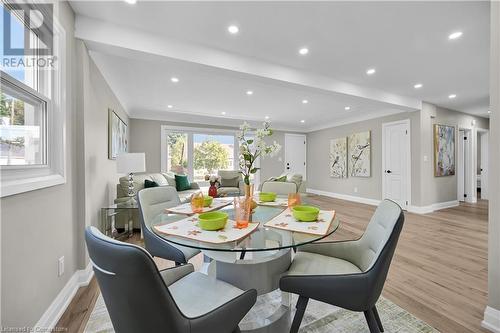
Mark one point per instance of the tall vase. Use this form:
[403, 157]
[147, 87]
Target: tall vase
[249, 195]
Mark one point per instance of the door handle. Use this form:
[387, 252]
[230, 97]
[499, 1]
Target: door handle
[388, 171]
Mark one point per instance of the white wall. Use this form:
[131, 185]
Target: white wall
[318, 160]
[494, 177]
[40, 226]
[426, 189]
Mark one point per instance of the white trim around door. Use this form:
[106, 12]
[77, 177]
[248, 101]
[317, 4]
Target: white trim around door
[406, 162]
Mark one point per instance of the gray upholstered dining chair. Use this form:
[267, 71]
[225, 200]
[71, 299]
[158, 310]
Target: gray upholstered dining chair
[349, 274]
[139, 298]
[152, 202]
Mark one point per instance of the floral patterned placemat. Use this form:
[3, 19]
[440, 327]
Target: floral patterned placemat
[278, 202]
[286, 221]
[186, 209]
[188, 228]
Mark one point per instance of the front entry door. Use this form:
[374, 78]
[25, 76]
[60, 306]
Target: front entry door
[295, 154]
[395, 162]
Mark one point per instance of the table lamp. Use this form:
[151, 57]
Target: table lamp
[130, 163]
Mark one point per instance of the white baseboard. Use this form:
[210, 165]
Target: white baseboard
[54, 312]
[412, 209]
[432, 208]
[347, 197]
[491, 319]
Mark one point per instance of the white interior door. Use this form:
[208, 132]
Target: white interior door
[396, 162]
[295, 154]
[461, 166]
[484, 165]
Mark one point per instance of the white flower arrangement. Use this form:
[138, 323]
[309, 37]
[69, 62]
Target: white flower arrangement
[252, 148]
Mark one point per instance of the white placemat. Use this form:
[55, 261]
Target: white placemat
[188, 228]
[286, 221]
[278, 202]
[186, 209]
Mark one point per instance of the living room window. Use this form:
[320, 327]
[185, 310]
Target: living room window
[32, 118]
[198, 152]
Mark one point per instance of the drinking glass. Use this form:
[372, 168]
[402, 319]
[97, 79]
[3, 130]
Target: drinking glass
[242, 208]
[293, 199]
[197, 202]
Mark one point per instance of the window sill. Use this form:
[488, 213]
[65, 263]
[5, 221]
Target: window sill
[18, 186]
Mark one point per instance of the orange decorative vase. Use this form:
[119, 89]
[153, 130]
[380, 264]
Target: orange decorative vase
[249, 196]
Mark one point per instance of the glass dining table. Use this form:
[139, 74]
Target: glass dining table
[256, 261]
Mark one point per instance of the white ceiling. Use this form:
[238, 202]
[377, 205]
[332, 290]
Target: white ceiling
[407, 43]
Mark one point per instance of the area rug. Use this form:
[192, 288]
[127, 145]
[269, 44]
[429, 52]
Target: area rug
[319, 317]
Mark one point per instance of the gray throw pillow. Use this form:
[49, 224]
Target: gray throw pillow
[230, 182]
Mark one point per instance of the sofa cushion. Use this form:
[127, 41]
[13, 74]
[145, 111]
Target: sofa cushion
[280, 179]
[170, 177]
[150, 183]
[159, 179]
[138, 182]
[230, 182]
[182, 183]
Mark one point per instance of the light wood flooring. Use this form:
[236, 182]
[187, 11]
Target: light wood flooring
[439, 272]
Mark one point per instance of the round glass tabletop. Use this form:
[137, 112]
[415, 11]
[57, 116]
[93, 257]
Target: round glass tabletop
[262, 239]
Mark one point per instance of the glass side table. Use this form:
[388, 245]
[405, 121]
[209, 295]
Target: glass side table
[109, 215]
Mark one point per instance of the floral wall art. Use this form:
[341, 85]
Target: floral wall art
[444, 150]
[338, 158]
[360, 154]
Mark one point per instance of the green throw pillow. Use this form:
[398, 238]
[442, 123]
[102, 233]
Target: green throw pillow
[149, 183]
[281, 179]
[182, 183]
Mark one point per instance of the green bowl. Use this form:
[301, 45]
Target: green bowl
[305, 213]
[207, 201]
[212, 220]
[267, 196]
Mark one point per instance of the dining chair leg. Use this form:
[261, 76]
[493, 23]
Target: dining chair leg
[377, 318]
[299, 313]
[372, 322]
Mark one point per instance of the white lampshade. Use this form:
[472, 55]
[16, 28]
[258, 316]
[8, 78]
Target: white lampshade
[131, 162]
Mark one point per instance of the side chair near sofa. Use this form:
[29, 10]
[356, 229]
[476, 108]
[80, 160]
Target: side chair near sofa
[152, 202]
[139, 298]
[348, 274]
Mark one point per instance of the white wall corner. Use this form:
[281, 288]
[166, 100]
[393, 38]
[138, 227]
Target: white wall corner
[367, 201]
[491, 320]
[56, 309]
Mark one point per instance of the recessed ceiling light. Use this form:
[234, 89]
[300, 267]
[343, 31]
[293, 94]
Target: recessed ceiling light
[304, 51]
[223, 113]
[347, 108]
[418, 86]
[132, 2]
[170, 106]
[305, 101]
[452, 96]
[249, 92]
[302, 121]
[174, 79]
[267, 117]
[455, 35]
[233, 29]
[370, 71]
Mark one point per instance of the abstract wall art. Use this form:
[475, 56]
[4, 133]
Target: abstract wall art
[117, 135]
[338, 158]
[444, 150]
[360, 154]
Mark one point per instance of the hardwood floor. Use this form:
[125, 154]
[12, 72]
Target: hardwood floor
[439, 272]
